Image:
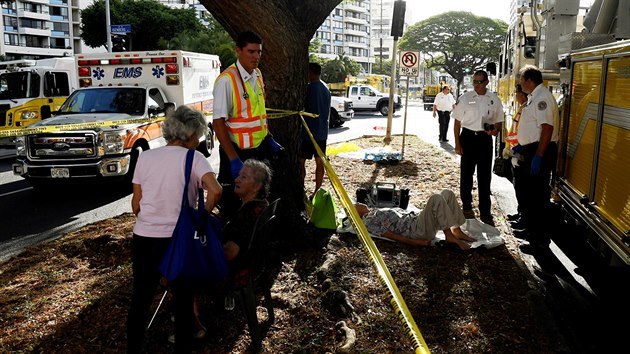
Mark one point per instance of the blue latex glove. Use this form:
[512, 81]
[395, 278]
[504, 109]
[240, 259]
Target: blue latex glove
[517, 149]
[275, 147]
[536, 162]
[235, 166]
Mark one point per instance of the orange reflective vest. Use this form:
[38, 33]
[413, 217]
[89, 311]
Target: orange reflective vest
[247, 124]
[511, 137]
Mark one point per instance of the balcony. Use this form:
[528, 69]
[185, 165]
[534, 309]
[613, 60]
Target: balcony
[356, 20]
[44, 2]
[33, 15]
[34, 31]
[36, 51]
[361, 34]
[355, 8]
[356, 45]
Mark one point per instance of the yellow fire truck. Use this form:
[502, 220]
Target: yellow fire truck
[592, 180]
[586, 64]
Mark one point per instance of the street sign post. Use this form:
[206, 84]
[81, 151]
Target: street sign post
[409, 64]
[120, 29]
[409, 67]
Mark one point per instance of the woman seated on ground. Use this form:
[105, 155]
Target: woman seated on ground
[418, 229]
[252, 187]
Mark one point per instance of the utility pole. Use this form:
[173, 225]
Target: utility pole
[398, 23]
[381, 35]
[109, 27]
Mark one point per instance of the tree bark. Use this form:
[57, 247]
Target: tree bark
[286, 28]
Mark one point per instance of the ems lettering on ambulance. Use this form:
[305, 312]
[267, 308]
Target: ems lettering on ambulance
[128, 73]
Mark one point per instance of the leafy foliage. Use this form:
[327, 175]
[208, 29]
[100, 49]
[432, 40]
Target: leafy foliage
[337, 69]
[456, 41]
[212, 39]
[149, 21]
[382, 66]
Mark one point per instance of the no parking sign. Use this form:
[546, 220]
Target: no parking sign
[409, 63]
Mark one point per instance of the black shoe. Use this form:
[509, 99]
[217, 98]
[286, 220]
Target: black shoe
[530, 249]
[514, 217]
[469, 213]
[533, 248]
[487, 219]
[445, 140]
[519, 224]
[522, 234]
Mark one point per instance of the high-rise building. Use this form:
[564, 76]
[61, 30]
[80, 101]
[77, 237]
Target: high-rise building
[382, 16]
[347, 31]
[35, 29]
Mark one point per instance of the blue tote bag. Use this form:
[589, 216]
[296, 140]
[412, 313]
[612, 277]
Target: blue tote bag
[196, 250]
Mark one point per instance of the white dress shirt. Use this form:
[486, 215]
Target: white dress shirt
[473, 110]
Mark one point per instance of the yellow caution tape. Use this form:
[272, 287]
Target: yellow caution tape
[279, 113]
[370, 248]
[273, 113]
[75, 126]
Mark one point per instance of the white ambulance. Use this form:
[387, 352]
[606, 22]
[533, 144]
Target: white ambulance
[116, 114]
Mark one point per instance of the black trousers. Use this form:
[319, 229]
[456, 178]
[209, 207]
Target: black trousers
[477, 153]
[444, 117]
[534, 191]
[147, 255]
[230, 202]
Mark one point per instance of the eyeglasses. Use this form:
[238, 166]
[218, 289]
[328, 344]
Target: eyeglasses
[478, 82]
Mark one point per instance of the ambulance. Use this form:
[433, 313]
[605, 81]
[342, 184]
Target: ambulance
[100, 130]
[31, 89]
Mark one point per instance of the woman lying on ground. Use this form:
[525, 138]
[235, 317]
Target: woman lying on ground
[419, 228]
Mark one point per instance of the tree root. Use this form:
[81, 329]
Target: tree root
[350, 337]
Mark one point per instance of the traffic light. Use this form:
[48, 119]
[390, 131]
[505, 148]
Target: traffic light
[119, 43]
[398, 19]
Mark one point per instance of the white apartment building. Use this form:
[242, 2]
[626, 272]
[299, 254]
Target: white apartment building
[382, 16]
[35, 29]
[347, 31]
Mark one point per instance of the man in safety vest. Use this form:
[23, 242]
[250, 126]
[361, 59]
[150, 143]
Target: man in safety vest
[240, 117]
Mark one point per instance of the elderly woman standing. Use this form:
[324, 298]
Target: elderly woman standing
[158, 185]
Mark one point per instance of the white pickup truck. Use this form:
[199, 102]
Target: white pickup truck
[340, 111]
[368, 98]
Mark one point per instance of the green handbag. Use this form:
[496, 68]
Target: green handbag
[324, 210]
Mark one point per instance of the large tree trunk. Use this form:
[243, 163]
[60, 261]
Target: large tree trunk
[286, 28]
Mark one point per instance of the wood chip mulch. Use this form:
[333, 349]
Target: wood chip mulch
[71, 295]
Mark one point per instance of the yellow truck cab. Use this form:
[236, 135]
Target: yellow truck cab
[31, 89]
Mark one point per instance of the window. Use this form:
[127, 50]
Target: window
[11, 39]
[61, 26]
[56, 84]
[10, 23]
[530, 47]
[58, 13]
[25, 22]
[156, 96]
